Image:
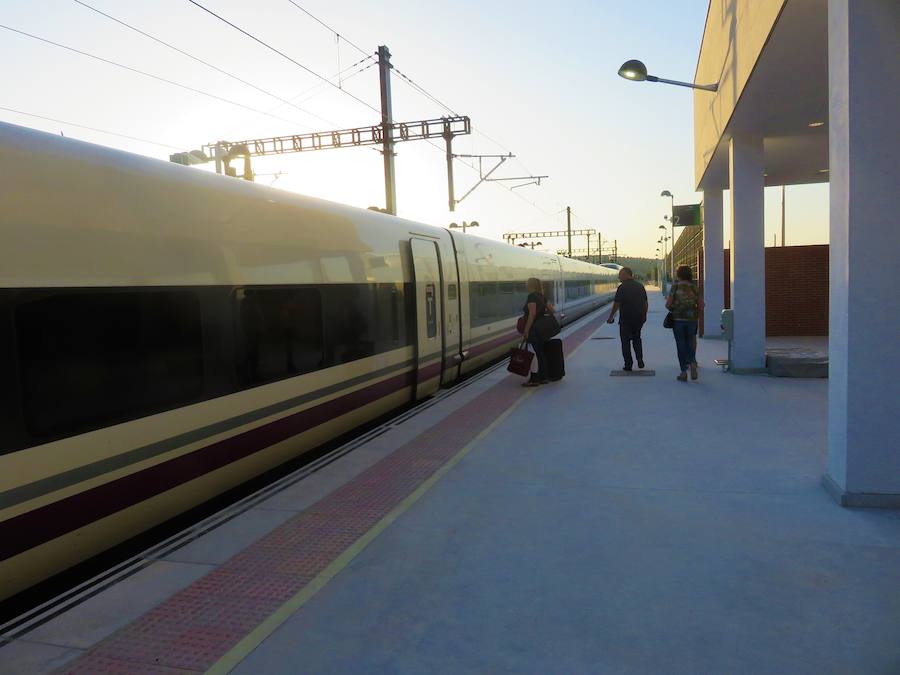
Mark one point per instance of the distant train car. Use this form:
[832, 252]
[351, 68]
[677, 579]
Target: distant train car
[167, 334]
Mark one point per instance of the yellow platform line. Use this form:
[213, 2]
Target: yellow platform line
[254, 638]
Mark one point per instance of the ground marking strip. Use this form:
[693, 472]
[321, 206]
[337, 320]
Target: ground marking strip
[253, 639]
[233, 657]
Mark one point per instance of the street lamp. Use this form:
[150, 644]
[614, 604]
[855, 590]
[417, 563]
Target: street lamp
[636, 71]
[662, 240]
[666, 193]
[658, 264]
[454, 226]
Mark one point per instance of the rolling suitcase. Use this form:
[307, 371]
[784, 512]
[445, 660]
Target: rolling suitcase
[556, 362]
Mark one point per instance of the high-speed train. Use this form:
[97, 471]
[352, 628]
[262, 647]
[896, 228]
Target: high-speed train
[167, 334]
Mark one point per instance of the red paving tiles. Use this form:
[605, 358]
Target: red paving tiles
[194, 628]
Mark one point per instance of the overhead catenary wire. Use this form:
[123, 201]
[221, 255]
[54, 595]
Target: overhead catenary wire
[159, 78]
[84, 126]
[415, 86]
[282, 100]
[302, 95]
[327, 27]
[418, 88]
[427, 94]
[283, 55]
[424, 92]
[497, 183]
[199, 60]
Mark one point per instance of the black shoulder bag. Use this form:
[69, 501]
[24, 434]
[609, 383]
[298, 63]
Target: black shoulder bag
[669, 321]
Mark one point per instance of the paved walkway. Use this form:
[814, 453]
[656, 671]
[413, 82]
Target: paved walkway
[597, 525]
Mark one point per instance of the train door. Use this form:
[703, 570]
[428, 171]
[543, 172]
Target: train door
[429, 316]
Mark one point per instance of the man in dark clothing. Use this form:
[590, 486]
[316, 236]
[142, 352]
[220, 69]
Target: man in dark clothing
[631, 303]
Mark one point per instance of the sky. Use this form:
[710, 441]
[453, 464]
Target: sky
[537, 79]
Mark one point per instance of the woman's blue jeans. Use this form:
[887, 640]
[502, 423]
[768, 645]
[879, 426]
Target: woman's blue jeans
[685, 332]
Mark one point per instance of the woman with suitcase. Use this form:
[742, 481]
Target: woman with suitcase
[540, 326]
[535, 308]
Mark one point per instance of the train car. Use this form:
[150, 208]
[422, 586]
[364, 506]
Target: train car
[167, 334]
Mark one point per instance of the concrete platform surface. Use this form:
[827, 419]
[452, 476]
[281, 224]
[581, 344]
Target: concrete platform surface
[595, 525]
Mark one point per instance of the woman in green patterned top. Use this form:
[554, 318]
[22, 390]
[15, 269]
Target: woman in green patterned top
[685, 303]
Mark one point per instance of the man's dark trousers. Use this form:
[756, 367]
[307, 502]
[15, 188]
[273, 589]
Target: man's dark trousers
[631, 335]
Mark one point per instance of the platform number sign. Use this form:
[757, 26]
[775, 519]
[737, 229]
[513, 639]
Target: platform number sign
[687, 215]
[430, 311]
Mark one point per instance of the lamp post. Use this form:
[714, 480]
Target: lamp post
[665, 255]
[666, 193]
[661, 251]
[636, 71]
[454, 226]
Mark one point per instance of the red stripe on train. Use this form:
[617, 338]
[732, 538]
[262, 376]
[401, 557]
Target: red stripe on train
[25, 531]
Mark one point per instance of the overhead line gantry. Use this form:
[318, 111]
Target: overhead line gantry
[385, 134]
[588, 232]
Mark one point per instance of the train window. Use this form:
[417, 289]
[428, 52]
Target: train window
[492, 301]
[430, 311]
[93, 358]
[394, 301]
[487, 300]
[351, 323]
[279, 333]
[549, 289]
[362, 320]
[11, 430]
[577, 289]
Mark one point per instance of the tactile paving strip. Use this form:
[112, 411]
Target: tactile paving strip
[194, 628]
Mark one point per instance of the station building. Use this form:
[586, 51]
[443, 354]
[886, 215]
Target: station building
[809, 91]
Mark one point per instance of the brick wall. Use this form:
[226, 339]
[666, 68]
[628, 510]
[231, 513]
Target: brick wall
[796, 289]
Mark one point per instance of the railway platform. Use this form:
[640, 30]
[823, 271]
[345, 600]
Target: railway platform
[596, 525]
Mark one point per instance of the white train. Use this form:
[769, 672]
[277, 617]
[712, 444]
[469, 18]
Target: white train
[167, 334]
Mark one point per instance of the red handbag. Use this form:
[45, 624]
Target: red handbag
[520, 361]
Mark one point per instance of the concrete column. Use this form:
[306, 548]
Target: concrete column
[864, 317]
[713, 263]
[748, 261]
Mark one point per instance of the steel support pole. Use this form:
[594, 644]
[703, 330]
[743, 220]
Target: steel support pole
[569, 227]
[387, 128]
[448, 138]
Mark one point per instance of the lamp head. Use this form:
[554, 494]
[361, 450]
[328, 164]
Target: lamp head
[665, 193]
[661, 227]
[633, 70]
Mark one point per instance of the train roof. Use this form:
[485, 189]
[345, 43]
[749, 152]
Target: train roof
[81, 214]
